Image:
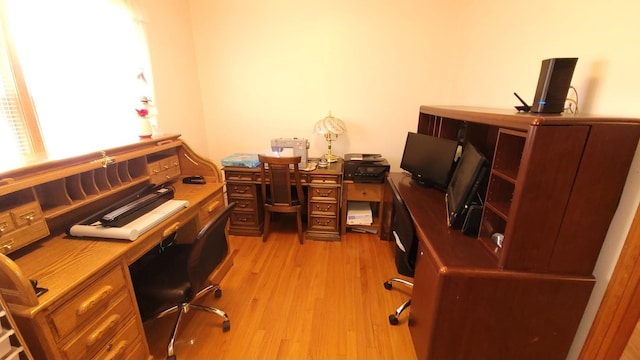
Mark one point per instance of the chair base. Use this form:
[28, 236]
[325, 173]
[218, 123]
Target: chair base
[393, 318]
[185, 307]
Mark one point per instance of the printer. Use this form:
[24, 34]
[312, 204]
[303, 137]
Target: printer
[365, 168]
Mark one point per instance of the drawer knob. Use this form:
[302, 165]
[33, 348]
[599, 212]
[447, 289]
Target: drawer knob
[96, 299]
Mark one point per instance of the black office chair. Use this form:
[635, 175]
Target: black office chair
[280, 194]
[406, 249]
[176, 277]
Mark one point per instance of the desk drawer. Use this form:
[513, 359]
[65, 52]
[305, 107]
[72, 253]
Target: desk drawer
[241, 190]
[239, 218]
[325, 179]
[323, 208]
[125, 345]
[210, 208]
[6, 223]
[365, 192]
[248, 205]
[324, 193]
[98, 296]
[94, 337]
[322, 223]
[240, 176]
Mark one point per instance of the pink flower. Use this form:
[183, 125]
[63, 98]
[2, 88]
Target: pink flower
[142, 112]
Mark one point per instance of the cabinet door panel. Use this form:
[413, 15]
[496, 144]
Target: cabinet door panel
[549, 164]
[426, 294]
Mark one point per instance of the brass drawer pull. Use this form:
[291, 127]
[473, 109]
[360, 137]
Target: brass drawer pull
[103, 294]
[28, 217]
[237, 190]
[171, 229]
[323, 194]
[3, 226]
[321, 223]
[243, 205]
[325, 209]
[7, 245]
[103, 330]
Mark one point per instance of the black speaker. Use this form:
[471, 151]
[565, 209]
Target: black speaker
[553, 85]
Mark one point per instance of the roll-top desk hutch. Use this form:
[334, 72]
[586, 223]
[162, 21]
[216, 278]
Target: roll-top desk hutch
[553, 187]
[89, 310]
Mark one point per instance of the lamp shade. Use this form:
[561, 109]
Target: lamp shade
[330, 125]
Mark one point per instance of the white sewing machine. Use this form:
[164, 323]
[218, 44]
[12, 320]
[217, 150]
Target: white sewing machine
[299, 147]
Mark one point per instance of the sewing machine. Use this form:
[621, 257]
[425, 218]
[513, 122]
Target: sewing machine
[299, 146]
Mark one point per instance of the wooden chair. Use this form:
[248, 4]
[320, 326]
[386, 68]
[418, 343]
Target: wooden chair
[279, 192]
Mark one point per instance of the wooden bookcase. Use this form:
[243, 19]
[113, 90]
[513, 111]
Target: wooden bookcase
[552, 190]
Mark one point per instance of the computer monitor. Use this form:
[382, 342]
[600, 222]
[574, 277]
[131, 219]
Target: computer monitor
[462, 190]
[429, 159]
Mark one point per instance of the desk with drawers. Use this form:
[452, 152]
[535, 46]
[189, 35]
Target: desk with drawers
[323, 198]
[90, 309]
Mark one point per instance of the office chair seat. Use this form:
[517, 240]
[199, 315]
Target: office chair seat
[173, 279]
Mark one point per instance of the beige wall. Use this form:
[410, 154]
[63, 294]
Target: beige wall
[231, 75]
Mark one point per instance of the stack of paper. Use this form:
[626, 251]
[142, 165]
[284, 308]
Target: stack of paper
[359, 213]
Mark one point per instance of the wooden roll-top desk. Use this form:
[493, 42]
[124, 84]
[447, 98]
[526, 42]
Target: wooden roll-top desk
[89, 310]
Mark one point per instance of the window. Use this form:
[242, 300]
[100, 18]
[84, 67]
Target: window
[79, 62]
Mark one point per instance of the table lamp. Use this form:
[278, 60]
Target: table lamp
[330, 127]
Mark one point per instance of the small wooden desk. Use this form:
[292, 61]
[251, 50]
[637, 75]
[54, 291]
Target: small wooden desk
[323, 199]
[90, 309]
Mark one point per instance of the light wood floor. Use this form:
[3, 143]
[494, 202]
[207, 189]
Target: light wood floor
[286, 300]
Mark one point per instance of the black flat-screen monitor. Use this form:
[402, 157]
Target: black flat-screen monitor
[429, 159]
[462, 190]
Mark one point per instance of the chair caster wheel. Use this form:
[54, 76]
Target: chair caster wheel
[217, 293]
[387, 285]
[172, 357]
[226, 326]
[393, 319]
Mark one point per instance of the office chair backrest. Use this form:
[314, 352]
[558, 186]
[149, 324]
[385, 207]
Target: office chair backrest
[279, 176]
[209, 249]
[404, 232]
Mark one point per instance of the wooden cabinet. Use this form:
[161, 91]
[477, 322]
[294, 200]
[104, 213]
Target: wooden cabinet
[371, 193]
[323, 194]
[323, 205]
[552, 191]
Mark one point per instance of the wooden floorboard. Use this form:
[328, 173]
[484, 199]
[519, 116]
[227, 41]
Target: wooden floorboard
[285, 300]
